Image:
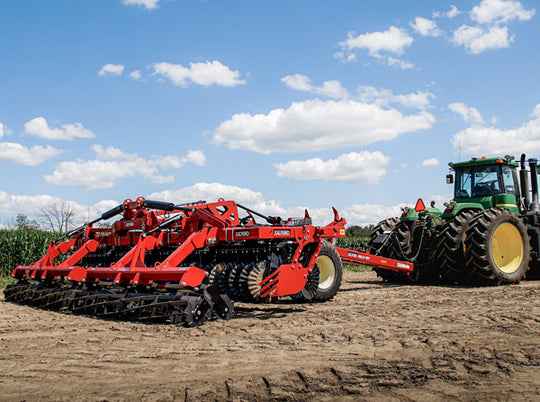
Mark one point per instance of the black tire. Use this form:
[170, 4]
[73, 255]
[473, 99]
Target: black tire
[385, 225]
[406, 246]
[450, 248]
[330, 272]
[497, 247]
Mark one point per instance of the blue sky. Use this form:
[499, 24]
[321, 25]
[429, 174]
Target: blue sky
[278, 105]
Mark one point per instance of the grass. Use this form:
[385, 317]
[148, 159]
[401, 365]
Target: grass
[21, 247]
[356, 268]
[6, 280]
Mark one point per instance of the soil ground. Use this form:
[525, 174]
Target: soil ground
[373, 341]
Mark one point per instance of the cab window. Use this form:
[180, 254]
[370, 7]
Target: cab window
[478, 181]
[508, 180]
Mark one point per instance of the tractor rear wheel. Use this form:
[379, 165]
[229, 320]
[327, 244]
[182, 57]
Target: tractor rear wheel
[330, 270]
[450, 251]
[387, 225]
[403, 248]
[497, 247]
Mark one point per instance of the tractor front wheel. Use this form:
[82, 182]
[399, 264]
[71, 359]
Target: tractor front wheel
[497, 247]
[450, 250]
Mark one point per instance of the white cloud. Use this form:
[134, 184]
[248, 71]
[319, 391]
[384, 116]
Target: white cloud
[453, 12]
[255, 200]
[206, 74]
[1, 130]
[477, 40]
[363, 214]
[394, 40]
[211, 192]
[299, 82]
[317, 125]
[361, 167]
[39, 128]
[469, 114]
[430, 162]
[195, 157]
[147, 4]
[370, 214]
[500, 11]
[111, 69]
[385, 97]
[112, 164]
[32, 205]
[404, 65]
[488, 141]
[331, 89]
[425, 27]
[17, 153]
[136, 75]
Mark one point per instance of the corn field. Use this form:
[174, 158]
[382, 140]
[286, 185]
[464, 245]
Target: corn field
[22, 247]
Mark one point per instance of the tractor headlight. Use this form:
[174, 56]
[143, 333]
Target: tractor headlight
[450, 206]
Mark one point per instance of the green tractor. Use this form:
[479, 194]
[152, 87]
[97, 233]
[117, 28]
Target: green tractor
[488, 234]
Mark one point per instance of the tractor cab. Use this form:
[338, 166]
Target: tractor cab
[484, 183]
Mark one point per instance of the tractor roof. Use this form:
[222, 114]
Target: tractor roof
[482, 162]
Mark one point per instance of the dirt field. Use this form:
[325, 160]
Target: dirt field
[373, 341]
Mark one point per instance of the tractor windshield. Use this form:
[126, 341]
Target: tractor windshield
[478, 181]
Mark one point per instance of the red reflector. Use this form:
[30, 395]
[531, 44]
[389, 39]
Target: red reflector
[499, 161]
[419, 205]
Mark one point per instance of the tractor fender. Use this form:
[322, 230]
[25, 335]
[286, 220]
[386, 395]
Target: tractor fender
[461, 207]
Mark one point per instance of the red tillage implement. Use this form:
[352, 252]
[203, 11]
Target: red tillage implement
[186, 263]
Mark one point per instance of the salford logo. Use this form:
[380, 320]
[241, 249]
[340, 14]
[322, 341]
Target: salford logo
[242, 233]
[362, 257]
[282, 232]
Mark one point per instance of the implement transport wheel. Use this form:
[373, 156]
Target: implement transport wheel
[330, 272]
[450, 248]
[497, 247]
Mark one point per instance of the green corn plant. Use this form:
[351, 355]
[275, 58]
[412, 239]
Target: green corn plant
[22, 247]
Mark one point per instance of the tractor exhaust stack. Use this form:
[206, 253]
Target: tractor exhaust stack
[524, 182]
[534, 185]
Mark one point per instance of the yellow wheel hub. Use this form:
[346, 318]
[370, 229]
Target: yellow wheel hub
[507, 248]
[327, 271]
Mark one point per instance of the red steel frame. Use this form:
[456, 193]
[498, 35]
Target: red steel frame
[374, 261]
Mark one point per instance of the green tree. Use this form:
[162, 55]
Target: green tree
[23, 223]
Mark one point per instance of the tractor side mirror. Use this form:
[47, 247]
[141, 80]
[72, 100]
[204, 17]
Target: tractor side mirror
[449, 179]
